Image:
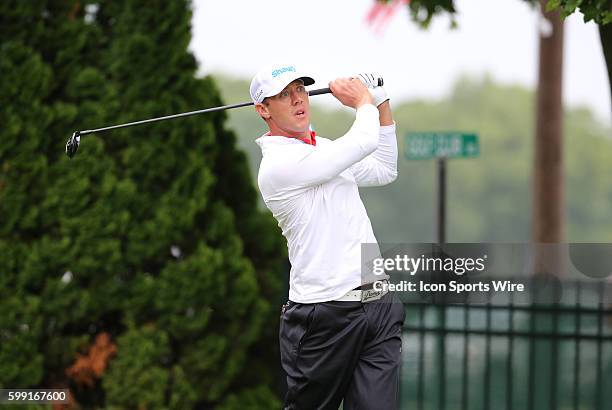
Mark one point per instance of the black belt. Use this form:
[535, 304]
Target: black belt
[369, 286]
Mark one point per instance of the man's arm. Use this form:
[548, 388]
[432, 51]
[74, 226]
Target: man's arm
[380, 167]
[384, 114]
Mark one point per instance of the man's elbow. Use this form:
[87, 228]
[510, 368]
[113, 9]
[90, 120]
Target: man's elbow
[393, 175]
[389, 176]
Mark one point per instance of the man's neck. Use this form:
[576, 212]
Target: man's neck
[307, 136]
[304, 135]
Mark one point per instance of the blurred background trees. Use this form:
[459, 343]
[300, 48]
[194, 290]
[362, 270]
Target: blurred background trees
[140, 273]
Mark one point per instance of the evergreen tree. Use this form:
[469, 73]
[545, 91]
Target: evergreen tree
[139, 273]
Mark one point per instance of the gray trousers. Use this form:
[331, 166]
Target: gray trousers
[334, 351]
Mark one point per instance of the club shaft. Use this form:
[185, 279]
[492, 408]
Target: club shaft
[319, 91]
[186, 114]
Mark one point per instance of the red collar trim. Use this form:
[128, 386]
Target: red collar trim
[310, 141]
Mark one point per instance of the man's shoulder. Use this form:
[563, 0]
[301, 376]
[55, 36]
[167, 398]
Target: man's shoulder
[274, 142]
[274, 145]
[280, 153]
[323, 140]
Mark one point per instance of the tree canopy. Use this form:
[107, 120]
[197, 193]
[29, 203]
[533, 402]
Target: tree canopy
[140, 273]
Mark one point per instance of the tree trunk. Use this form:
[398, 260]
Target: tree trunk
[548, 207]
[605, 34]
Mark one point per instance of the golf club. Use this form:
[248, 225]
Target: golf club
[72, 145]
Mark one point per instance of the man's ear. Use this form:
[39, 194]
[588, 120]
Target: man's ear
[263, 112]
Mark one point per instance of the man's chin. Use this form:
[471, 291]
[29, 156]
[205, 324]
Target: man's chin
[301, 130]
[304, 126]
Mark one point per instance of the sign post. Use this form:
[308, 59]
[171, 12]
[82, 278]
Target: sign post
[441, 200]
[441, 145]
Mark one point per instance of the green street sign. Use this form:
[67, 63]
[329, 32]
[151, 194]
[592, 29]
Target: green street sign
[426, 145]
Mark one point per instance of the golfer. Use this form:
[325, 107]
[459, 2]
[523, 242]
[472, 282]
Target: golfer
[340, 340]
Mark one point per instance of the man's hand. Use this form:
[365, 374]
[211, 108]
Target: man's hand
[379, 95]
[350, 92]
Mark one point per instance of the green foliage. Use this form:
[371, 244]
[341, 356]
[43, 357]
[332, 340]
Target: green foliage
[259, 398]
[150, 234]
[489, 197]
[139, 376]
[422, 11]
[599, 11]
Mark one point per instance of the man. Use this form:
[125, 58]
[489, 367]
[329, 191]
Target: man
[336, 345]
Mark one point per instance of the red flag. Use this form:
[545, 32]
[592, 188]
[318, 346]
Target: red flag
[381, 12]
[375, 10]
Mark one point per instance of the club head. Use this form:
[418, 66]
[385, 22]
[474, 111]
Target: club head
[72, 145]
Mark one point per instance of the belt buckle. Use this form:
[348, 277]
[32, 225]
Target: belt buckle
[370, 295]
[285, 307]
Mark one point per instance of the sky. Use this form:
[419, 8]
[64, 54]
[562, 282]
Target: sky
[330, 39]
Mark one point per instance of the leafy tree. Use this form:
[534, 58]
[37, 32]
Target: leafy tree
[599, 11]
[150, 236]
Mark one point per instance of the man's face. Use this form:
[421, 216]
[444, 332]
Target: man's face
[288, 112]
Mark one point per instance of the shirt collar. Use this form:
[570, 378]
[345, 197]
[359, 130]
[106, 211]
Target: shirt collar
[312, 141]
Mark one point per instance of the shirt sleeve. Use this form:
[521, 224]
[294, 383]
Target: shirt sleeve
[380, 167]
[305, 168]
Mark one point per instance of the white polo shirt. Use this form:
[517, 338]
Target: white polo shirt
[313, 193]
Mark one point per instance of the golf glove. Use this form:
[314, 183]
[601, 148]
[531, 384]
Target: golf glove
[379, 95]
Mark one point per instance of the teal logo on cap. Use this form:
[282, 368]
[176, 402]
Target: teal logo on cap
[281, 70]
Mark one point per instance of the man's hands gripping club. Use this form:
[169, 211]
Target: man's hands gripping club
[349, 92]
[378, 93]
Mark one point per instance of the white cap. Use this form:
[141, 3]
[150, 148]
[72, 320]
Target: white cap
[272, 79]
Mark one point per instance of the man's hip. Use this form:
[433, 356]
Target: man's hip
[328, 349]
